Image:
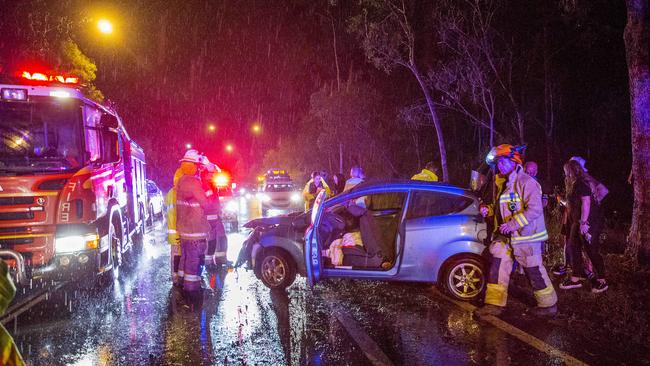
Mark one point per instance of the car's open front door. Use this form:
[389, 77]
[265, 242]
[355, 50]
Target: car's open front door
[312, 248]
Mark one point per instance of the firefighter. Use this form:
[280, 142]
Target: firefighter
[428, 174]
[191, 222]
[519, 232]
[217, 240]
[10, 354]
[172, 235]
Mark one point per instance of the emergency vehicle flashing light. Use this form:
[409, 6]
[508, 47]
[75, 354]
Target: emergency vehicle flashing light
[38, 76]
[222, 180]
[14, 94]
[60, 94]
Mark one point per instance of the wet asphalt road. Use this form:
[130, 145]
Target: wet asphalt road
[141, 320]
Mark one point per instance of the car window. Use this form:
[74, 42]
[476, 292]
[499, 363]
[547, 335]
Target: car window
[375, 202]
[151, 188]
[425, 204]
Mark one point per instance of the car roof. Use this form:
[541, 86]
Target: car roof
[404, 184]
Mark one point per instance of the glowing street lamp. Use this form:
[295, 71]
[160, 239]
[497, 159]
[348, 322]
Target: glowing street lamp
[105, 26]
[229, 148]
[188, 146]
[212, 128]
[256, 128]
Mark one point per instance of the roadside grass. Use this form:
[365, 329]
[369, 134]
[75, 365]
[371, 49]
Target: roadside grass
[619, 316]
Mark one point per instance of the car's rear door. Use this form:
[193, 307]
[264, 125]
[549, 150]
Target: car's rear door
[433, 221]
[312, 248]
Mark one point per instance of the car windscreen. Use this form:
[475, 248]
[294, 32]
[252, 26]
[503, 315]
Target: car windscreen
[40, 137]
[279, 187]
[151, 188]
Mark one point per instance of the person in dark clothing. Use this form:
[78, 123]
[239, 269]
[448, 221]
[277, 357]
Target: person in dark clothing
[585, 223]
[338, 183]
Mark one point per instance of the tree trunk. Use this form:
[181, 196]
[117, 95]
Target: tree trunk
[340, 158]
[436, 123]
[637, 38]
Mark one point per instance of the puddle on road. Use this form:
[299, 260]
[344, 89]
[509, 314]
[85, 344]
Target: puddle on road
[141, 319]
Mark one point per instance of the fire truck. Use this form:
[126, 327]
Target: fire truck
[72, 182]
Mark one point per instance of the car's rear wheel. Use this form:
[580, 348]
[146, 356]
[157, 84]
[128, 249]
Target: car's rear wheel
[464, 277]
[277, 270]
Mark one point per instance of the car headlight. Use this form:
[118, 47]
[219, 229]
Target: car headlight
[232, 206]
[76, 243]
[295, 197]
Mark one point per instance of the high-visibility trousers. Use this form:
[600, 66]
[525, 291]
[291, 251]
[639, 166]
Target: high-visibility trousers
[529, 256]
[192, 252]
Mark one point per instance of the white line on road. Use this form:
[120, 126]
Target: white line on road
[368, 346]
[516, 332]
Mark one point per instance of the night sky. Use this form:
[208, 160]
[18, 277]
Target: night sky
[173, 68]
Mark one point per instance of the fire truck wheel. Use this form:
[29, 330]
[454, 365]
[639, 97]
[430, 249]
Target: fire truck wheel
[151, 219]
[116, 239]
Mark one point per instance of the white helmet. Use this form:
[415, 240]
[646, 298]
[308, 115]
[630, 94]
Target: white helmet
[192, 156]
[580, 161]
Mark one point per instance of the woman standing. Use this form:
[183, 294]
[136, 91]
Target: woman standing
[585, 225]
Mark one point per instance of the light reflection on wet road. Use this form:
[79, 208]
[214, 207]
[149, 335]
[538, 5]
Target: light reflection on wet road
[142, 320]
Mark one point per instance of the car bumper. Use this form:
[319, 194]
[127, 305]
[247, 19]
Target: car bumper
[68, 267]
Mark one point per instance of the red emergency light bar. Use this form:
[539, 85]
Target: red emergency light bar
[39, 76]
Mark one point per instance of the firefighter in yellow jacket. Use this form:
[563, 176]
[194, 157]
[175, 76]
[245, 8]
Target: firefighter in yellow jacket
[313, 187]
[10, 354]
[428, 174]
[519, 232]
[172, 235]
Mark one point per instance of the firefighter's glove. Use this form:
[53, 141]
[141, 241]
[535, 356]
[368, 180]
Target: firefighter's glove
[508, 227]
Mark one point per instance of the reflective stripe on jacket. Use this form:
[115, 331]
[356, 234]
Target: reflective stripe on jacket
[519, 200]
[191, 202]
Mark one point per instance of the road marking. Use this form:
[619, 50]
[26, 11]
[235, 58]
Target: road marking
[531, 340]
[368, 346]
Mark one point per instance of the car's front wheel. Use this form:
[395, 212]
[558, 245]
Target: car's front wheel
[276, 269]
[464, 277]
